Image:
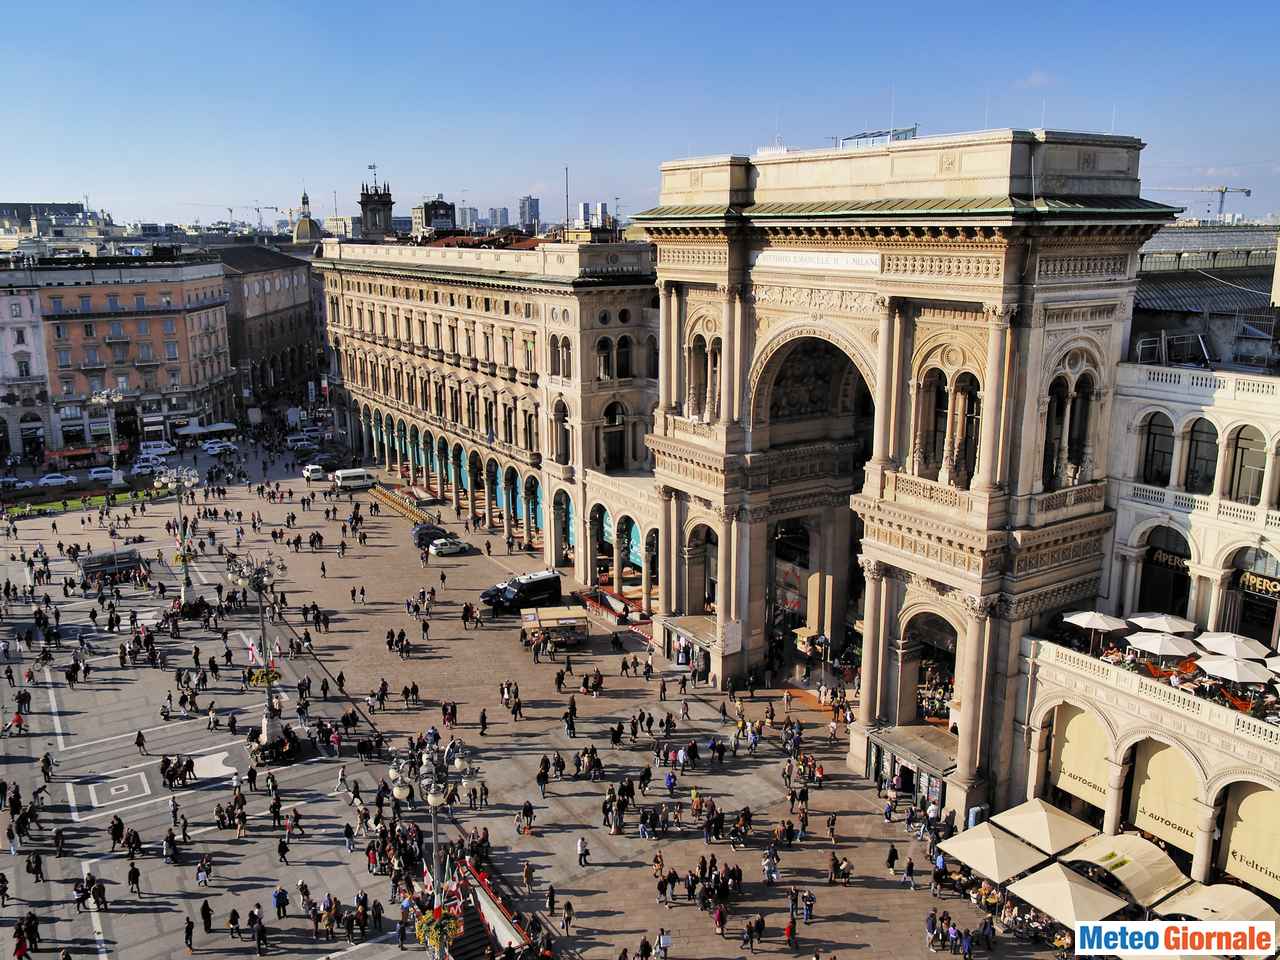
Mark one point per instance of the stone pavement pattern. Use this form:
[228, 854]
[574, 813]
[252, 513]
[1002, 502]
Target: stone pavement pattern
[100, 771]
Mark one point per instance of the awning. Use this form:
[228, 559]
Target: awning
[992, 853]
[1219, 901]
[1146, 871]
[1044, 826]
[190, 430]
[1066, 896]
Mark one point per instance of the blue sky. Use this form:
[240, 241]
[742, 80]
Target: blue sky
[153, 108]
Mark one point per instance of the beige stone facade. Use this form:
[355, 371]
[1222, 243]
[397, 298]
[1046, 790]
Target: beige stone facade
[904, 356]
[517, 384]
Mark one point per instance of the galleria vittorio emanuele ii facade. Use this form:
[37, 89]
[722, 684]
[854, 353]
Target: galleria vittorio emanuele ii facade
[881, 417]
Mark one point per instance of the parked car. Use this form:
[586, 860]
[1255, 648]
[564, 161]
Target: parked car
[13, 483]
[313, 471]
[102, 474]
[448, 546]
[144, 469]
[58, 480]
[159, 448]
[425, 534]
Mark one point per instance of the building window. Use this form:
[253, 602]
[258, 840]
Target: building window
[113, 301]
[145, 351]
[170, 350]
[95, 384]
[68, 387]
[64, 359]
[117, 328]
[86, 304]
[88, 331]
[144, 327]
[56, 304]
[122, 381]
[1202, 457]
[59, 332]
[175, 377]
[91, 356]
[119, 353]
[1248, 464]
[139, 301]
[20, 335]
[528, 354]
[24, 368]
[624, 316]
[1157, 457]
[15, 309]
[169, 326]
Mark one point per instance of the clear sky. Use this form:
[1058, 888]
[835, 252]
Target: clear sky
[152, 108]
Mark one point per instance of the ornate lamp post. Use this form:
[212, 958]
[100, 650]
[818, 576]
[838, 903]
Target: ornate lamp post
[110, 399]
[179, 480]
[258, 576]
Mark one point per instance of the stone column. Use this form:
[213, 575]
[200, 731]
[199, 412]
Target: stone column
[728, 371]
[724, 575]
[884, 388]
[735, 611]
[388, 445]
[1220, 473]
[1064, 441]
[1042, 434]
[646, 605]
[666, 570]
[412, 454]
[1037, 738]
[490, 495]
[528, 517]
[1265, 498]
[507, 502]
[690, 392]
[555, 535]
[1126, 574]
[816, 598]
[471, 495]
[713, 372]
[971, 671]
[456, 470]
[986, 480]
[664, 336]
[366, 438]
[905, 663]
[1215, 600]
[617, 561]
[1206, 827]
[947, 473]
[1135, 581]
[835, 564]
[868, 703]
[1113, 813]
[672, 358]
[1177, 468]
[917, 396]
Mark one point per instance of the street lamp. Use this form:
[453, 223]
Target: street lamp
[110, 398]
[258, 576]
[179, 480]
[435, 785]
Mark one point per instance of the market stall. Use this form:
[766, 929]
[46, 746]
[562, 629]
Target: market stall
[565, 627]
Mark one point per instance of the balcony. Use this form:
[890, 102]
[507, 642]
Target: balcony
[906, 489]
[1196, 387]
[1133, 700]
[1068, 503]
[111, 338]
[147, 362]
[488, 367]
[453, 359]
[1253, 516]
[528, 377]
[471, 363]
[93, 365]
[435, 353]
[507, 372]
[147, 311]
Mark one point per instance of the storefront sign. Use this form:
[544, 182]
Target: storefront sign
[1163, 558]
[1078, 761]
[1256, 583]
[1250, 846]
[1164, 794]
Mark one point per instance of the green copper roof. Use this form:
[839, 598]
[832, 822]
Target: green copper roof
[950, 206]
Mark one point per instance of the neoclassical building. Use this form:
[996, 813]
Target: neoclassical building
[517, 383]
[884, 407]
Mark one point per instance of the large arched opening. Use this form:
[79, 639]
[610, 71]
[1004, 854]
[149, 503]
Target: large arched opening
[1166, 579]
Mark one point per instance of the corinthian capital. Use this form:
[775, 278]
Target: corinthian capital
[980, 607]
[1001, 313]
[884, 303]
[871, 569]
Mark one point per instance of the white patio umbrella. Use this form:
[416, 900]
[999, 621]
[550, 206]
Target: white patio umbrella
[1165, 622]
[1233, 645]
[1161, 644]
[1093, 620]
[1273, 664]
[1237, 671]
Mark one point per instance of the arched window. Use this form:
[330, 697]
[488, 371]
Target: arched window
[1157, 450]
[614, 437]
[604, 318]
[1248, 464]
[1202, 457]
[566, 358]
[560, 432]
[604, 359]
[555, 356]
[624, 358]
[624, 315]
[651, 358]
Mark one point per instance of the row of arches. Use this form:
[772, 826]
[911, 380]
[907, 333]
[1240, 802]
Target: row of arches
[1199, 457]
[1213, 821]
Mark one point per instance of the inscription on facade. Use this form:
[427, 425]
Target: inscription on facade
[851, 262]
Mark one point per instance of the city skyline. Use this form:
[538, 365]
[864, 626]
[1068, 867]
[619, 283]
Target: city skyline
[246, 143]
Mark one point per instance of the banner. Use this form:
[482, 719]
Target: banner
[1078, 762]
[1250, 845]
[1164, 794]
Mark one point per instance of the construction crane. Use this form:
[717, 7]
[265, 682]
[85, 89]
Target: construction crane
[1220, 191]
[260, 209]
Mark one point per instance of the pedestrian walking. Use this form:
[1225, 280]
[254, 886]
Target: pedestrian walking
[188, 930]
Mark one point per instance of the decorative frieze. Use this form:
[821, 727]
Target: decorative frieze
[857, 302]
[705, 256]
[942, 266]
[1098, 267]
[1014, 607]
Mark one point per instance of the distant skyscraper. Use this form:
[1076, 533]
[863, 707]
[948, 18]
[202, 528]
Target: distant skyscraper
[600, 215]
[584, 214]
[468, 217]
[529, 213]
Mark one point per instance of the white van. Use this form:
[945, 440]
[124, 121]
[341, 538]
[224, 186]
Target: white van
[355, 479]
[156, 448]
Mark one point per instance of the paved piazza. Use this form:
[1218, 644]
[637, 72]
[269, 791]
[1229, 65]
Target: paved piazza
[90, 732]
